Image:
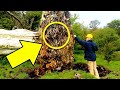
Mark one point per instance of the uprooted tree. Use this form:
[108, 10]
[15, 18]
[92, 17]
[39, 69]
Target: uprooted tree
[56, 35]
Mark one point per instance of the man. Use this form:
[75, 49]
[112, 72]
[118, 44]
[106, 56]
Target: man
[89, 49]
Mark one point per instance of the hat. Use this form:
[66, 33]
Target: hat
[89, 36]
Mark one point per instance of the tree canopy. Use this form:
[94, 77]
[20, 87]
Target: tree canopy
[93, 24]
[115, 24]
[22, 19]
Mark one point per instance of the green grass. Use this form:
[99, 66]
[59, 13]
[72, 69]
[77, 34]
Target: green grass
[67, 74]
[6, 72]
[114, 66]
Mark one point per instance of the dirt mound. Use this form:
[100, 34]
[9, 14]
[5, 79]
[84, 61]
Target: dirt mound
[101, 69]
[35, 73]
[38, 72]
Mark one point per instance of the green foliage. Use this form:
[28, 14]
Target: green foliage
[36, 15]
[22, 19]
[116, 56]
[117, 43]
[115, 24]
[3, 14]
[73, 18]
[3, 60]
[29, 19]
[79, 30]
[107, 38]
[6, 23]
[106, 41]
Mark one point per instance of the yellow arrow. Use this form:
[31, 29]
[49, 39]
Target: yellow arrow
[28, 51]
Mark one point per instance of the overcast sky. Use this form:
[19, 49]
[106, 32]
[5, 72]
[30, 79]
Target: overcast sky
[103, 16]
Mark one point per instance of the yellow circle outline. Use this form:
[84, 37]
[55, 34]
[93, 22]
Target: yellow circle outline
[53, 46]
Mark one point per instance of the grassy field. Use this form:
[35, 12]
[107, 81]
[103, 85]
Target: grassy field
[6, 72]
[114, 66]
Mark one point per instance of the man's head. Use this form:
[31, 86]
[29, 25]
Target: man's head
[89, 37]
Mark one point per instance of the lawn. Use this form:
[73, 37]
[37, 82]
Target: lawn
[6, 72]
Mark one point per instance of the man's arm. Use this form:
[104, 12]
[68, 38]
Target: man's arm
[95, 47]
[81, 42]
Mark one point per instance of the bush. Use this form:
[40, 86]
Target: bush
[6, 23]
[116, 56]
[106, 40]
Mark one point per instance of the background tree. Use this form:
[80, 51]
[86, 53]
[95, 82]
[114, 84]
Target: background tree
[5, 21]
[79, 30]
[93, 24]
[107, 41]
[22, 19]
[33, 19]
[17, 18]
[115, 24]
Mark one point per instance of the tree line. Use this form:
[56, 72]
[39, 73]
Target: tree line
[107, 38]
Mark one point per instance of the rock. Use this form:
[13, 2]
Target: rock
[77, 76]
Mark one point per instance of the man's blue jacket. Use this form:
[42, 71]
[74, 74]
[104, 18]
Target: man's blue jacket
[90, 48]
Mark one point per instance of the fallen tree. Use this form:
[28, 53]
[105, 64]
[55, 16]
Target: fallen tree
[55, 35]
[9, 39]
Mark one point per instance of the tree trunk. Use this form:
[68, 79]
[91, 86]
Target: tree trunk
[56, 35]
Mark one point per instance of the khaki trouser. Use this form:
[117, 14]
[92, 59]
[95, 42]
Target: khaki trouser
[92, 67]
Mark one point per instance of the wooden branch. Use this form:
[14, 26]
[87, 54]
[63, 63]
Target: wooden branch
[15, 18]
[31, 23]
